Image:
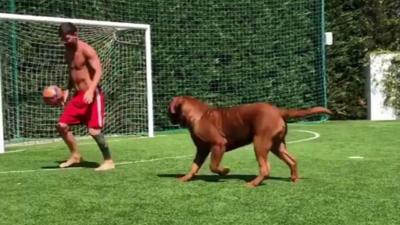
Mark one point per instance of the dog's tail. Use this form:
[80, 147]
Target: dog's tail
[298, 113]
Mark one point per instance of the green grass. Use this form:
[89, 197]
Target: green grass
[333, 189]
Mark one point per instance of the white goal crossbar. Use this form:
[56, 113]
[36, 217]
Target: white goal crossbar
[57, 20]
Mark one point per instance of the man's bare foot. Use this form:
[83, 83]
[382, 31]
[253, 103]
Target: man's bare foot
[106, 165]
[71, 161]
[185, 178]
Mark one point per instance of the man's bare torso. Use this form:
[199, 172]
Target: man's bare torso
[80, 71]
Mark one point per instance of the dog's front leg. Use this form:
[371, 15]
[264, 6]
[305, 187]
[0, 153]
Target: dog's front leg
[198, 161]
[217, 152]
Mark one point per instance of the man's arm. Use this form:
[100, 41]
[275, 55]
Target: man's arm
[69, 87]
[94, 62]
[70, 83]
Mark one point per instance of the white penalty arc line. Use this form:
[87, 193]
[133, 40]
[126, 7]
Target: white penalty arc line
[315, 136]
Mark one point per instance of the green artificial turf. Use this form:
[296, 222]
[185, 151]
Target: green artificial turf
[349, 175]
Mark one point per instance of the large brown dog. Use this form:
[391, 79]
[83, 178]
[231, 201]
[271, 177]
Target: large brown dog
[218, 130]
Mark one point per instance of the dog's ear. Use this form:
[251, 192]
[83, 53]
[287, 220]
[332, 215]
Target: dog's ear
[175, 104]
[174, 110]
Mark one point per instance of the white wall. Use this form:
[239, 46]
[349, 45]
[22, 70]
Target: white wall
[379, 65]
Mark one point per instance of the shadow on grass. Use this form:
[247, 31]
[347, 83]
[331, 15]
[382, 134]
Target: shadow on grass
[218, 178]
[83, 164]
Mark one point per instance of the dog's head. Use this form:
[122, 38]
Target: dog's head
[183, 110]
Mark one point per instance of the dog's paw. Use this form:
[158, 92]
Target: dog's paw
[224, 172]
[294, 178]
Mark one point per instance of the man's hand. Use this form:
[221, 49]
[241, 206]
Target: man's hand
[88, 97]
[65, 94]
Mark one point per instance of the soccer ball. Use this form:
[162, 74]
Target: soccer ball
[53, 95]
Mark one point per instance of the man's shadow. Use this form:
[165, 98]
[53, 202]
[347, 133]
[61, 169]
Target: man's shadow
[82, 164]
[218, 178]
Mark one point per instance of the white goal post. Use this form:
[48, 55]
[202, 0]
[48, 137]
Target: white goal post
[117, 25]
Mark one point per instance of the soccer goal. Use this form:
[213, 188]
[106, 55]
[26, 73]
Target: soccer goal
[32, 57]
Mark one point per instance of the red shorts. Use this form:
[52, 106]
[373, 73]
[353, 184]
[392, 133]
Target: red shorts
[78, 112]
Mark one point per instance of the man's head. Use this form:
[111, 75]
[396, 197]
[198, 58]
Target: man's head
[68, 33]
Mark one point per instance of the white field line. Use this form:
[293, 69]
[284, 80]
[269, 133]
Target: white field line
[117, 164]
[356, 157]
[15, 151]
[90, 142]
[316, 135]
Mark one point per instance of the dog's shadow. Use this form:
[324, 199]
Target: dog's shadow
[83, 164]
[218, 178]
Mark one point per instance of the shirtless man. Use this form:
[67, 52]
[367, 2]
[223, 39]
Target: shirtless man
[87, 104]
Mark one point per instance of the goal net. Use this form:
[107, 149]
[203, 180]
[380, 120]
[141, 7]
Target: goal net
[32, 57]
